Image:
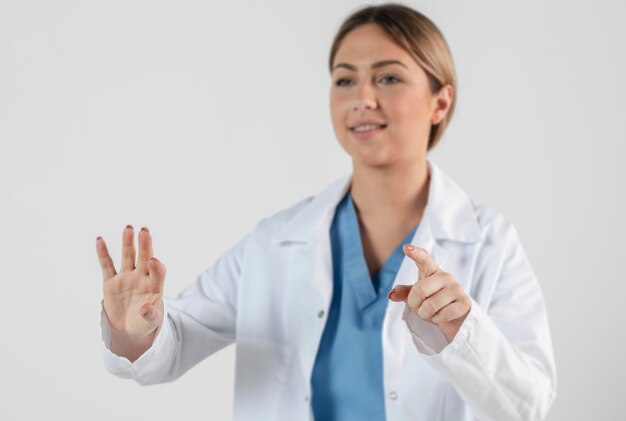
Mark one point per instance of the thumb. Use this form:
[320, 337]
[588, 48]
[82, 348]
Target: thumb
[399, 292]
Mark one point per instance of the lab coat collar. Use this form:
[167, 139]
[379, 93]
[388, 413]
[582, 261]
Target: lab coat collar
[449, 211]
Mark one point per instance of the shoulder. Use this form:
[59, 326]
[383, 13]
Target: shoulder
[286, 214]
[492, 222]
[302, 220]
[271, 224]
[500, 239]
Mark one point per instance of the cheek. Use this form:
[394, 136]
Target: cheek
[404, 104]
[339, 109]
[408, 111]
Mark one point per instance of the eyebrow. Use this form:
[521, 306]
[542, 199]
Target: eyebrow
[374, 66]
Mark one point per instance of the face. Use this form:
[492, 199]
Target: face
[381, 104]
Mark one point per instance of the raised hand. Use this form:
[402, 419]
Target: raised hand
[436, 296]
[133, 298]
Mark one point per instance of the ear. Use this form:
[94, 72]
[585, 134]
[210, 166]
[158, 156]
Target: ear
[442, 101]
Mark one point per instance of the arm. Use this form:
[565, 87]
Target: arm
[197, 323]
[501, 359]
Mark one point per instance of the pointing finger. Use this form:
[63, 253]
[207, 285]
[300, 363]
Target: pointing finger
[425, 263]
[106, 263]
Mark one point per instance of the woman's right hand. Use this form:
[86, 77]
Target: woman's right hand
[133, 298]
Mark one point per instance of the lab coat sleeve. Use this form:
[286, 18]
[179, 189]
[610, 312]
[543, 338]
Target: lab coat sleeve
[501, 360]
[197, 323]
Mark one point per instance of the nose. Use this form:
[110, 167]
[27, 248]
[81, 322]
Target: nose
[365, 99]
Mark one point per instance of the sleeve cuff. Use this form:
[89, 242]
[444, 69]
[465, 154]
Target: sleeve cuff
[154, 356]
[427, 337]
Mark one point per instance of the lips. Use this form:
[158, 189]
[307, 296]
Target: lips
[360, 124]
[367, 131]
[368, 127]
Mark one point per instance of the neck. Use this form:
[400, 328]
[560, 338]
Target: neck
[399, 193]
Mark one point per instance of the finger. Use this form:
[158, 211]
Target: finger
[425, 288]
[423, 260]
[399, 292]
[145, 249]
[106, 263]
[128, 249]
[157, 274]
[452, 311]
[433, 304]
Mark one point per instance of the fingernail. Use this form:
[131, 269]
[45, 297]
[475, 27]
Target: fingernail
[145, 229]
[154, 258]
[391, 293]
[129, 226]
[410, 247]
[99, 237]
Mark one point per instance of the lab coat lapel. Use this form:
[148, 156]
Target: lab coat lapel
[448, 216]
[307, 235]
[396, 342]
[308, 232]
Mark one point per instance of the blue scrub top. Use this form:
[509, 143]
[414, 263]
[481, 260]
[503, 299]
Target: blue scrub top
[347, 379]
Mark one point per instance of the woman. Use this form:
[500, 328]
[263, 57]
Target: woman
[389, 295]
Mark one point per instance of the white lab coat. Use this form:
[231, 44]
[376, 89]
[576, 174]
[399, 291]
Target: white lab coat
[270, 293]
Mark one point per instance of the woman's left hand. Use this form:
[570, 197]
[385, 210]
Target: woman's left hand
[436, 296]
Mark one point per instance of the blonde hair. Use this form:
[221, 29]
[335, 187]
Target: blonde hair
[417, 35]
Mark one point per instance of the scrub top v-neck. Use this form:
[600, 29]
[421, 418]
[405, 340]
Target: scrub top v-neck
[347, 379]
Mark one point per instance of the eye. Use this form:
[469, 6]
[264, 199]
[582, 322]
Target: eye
[389, 79]
[342, 82]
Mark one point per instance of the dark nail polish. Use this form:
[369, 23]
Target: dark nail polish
[129, 226]
[145, 229]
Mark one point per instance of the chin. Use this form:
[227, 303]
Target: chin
[371, 160]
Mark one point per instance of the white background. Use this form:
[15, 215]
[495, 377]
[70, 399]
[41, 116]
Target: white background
[199, 118]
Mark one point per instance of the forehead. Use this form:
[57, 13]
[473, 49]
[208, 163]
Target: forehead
[368, 44]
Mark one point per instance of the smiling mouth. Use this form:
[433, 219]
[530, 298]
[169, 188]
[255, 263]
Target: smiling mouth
[367, 128]
[368, 131]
